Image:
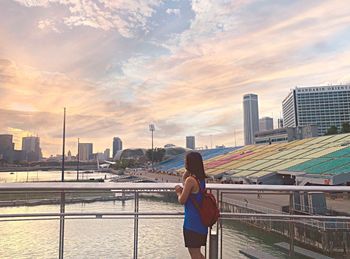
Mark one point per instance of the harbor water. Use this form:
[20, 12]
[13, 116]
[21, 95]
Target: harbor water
[41, 176]
[113, 238]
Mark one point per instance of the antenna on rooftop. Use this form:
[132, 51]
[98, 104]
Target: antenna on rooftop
[234, 132]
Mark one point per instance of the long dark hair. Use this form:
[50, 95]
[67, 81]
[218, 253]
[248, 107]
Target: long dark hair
[194, 164]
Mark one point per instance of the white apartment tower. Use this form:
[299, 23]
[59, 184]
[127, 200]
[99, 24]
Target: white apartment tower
[324, 106]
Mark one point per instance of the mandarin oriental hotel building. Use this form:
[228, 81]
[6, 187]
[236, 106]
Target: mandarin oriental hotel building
[324, 106]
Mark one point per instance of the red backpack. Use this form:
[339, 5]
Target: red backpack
[208, 209]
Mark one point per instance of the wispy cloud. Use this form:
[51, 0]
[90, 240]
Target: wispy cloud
[126, 16]
[190, 83]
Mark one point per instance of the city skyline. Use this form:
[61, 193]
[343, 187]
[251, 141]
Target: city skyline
[182, 65]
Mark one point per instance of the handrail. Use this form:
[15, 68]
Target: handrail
[71, 186]
[223, 215]
[136, 188]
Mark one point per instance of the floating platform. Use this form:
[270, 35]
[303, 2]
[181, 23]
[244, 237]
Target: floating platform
[255, 254]
[302, 251]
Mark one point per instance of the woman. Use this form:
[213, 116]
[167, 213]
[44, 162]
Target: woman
[195, 233]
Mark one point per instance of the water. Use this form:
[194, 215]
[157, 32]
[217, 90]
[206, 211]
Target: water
[37, 176]
[113, 238]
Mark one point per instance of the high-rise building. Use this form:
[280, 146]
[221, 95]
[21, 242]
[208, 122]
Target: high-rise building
[190, 142]
[31, 148]
[265, 123]
[107, 154]
[117, 145]
[85, 151]
[250, 117]
[280, 123]
[285, 134]
[6, 147]
[324, 106]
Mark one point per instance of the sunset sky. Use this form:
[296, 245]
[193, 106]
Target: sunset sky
[119, 65]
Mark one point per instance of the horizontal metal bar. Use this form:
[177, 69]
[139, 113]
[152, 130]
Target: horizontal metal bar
[288, 216]
[20, 215]
[321, 225]
[69, 186]
[90, 217]
[223, 215]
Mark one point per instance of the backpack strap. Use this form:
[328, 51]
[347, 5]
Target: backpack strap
[195, 203]
[199, 184]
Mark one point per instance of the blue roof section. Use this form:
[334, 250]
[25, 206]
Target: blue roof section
[177, 162]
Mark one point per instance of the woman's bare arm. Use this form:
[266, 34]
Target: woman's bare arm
[184, 176]
[183, 194]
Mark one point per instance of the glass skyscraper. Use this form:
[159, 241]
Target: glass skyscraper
[85, 151]
[190, 142]
[250, 117]
[324, 106]
[117, 145]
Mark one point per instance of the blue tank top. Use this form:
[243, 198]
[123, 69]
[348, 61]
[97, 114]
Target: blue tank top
[192, 218]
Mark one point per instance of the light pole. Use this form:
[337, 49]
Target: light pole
[78, 162]
[63, 196]
[234, 130]
[152, 129]
[64, 143]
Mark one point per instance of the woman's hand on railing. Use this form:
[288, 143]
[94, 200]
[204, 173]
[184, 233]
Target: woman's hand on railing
[178, 189]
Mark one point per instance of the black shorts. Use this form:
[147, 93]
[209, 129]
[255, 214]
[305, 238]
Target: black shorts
[194, 239]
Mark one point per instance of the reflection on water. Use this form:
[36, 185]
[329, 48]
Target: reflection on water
[36, 176]
[113, 238]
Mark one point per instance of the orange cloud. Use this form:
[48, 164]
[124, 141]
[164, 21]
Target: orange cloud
[195, 88]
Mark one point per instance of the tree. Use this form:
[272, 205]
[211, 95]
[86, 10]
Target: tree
[2, 162]
[158, 154]
[125, 163]
[332, 130]
[345, 128]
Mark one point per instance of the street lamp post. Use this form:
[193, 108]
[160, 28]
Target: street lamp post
[63, 195]
[152, 129]
[234, 130]
[78, 162]
[64, 143]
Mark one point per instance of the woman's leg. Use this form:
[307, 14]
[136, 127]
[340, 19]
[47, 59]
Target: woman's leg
[196, 253]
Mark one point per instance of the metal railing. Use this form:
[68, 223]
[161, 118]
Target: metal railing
[324, 225]
[215, 233]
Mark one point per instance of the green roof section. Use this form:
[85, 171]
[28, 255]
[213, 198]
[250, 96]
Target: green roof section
[334, 163]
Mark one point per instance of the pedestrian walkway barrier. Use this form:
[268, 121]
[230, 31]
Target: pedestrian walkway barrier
[238, 210]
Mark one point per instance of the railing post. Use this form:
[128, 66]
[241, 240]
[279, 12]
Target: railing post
[213, 245]
[136, 224]
[213, 238]
[291, 225]
[61, 241]
[221, 234]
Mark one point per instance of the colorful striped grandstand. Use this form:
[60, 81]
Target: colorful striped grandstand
[321, 160]
[177, 162]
